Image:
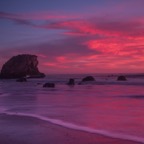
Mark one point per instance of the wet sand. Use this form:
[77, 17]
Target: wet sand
[27, 130]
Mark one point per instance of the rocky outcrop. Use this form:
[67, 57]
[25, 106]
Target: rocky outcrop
[121, 78]
[49, 85]
[19, 66]
[21, 80]
[88, 78]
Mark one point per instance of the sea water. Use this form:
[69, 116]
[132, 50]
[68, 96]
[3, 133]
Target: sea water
[106, 106]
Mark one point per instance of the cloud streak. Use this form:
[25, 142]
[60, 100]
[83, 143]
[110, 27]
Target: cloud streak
[89, 44]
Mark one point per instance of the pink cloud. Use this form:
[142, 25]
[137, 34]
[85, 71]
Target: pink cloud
[49, 64]
[75, 25]
[115, 46]
[101, 27]
[92, 45]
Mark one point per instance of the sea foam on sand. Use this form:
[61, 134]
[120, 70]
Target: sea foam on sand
[29, 130]
[79, 127]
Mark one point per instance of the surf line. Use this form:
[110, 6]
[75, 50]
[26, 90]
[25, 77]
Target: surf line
[79, 127]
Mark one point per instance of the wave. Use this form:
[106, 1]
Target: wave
[79, 127]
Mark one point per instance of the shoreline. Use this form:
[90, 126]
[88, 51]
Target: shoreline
[29, 130]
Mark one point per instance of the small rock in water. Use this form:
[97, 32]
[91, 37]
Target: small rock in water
[71, 82]
[49, 85]
[88, 78]
[21, 80]
[121, 78]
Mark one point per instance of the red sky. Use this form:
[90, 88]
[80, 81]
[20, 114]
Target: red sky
[85, 36]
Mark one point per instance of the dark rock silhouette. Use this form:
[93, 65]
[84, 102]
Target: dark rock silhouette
[49, 85]
[71, 82]
[121, 78]
[21, 80]
[19, 66]
[88, 78]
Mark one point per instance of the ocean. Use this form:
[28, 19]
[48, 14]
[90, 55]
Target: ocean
[106, 106]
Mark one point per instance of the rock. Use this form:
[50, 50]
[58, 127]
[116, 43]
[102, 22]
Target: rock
[121, 78]
[49, 85]
[19, 66]
[21, 80]
[88, 78]
[71, 82]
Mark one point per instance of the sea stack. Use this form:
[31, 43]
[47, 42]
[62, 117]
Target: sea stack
[24, 65]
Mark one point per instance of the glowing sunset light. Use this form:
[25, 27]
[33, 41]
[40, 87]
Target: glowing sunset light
[49, 64]
[92, 37]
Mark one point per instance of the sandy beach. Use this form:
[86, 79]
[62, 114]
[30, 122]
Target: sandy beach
[27, 130]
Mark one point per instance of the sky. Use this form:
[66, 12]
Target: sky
[78, 36]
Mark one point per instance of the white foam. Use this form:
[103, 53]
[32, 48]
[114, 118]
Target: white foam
[81, 128]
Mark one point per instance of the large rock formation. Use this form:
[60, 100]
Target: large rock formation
[24, 65]
[23, 79]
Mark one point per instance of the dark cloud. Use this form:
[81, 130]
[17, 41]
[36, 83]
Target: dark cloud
[15, 18]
